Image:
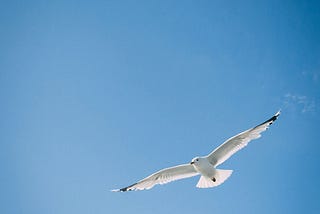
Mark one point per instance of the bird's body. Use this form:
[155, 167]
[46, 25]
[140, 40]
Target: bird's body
[205, 166]
[210, 176]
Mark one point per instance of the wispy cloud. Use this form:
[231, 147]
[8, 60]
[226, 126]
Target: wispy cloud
[301, 103]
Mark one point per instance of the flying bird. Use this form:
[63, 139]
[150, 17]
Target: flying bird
[205, 166]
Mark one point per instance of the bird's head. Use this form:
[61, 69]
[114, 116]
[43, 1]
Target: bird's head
[195, 160]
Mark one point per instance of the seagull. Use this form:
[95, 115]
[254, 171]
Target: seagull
[206, 165]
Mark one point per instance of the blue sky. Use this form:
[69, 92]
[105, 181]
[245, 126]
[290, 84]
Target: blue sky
[96, 95]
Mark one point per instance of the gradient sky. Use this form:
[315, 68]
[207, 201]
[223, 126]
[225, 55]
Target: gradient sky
[96, 95]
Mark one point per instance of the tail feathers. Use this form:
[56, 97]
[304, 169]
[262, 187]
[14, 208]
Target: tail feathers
[205, 182]
[220, 176]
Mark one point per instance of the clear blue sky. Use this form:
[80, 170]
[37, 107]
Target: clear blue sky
[96, 95]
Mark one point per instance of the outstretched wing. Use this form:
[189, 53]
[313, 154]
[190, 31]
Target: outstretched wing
[162, 177]
[234, 144]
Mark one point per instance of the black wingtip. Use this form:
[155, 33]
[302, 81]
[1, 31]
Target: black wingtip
[125, 189]
[275, 116]
[272, 119]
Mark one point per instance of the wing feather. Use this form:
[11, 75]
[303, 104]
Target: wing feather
[235, 143]
[162, 177]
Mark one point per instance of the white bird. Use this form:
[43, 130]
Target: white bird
[205, 166]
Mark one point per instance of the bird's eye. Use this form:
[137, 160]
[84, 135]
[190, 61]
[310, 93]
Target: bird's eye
[197, 159]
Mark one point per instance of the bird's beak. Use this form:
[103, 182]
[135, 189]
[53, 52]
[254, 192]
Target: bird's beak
[191, 162]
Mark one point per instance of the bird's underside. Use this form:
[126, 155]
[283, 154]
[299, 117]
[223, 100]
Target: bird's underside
[204, 166]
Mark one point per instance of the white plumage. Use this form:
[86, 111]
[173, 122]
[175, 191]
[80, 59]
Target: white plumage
[205, 166]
